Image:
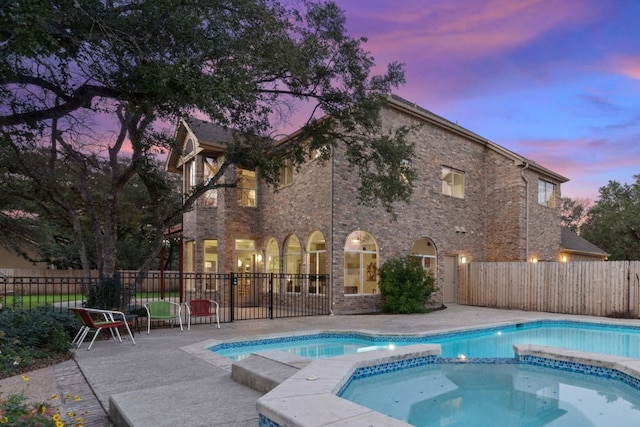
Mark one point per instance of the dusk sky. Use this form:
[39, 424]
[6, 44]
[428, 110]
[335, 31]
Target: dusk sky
[556, 81]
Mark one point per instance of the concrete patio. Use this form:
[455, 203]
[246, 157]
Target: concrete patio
[158, 383]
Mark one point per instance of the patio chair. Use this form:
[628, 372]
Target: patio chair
[96, 320]
[163, 310]
[81, 331]
[200, 308]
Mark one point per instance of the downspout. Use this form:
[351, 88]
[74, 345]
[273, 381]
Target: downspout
[331, 212]
[526, 213]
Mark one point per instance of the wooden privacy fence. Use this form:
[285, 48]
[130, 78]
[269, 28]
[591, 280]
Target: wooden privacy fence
[595, 288]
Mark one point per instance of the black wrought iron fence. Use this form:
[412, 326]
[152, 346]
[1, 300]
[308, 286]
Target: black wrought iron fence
[240, 296]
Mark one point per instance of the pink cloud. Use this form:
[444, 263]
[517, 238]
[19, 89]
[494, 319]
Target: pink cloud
[588, 163]
[460, 29]
[628, 66]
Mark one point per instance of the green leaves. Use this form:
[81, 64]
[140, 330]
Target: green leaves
[613, 223]
[404, 285]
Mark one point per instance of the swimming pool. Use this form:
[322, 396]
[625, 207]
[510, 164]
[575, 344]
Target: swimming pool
[604, 390]
[493, 342]
[485, 394]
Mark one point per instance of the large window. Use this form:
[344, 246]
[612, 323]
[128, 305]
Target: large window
[273, 257]
[452, 182]
[317, 262]
[246, 187]
[546, 193]
[190, 255]
[360, 264]
[210, 256]
[210, 169]
[210, 264]
[426, 251]
[292, 260]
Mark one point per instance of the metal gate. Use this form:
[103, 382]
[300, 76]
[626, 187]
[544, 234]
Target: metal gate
[244, 296]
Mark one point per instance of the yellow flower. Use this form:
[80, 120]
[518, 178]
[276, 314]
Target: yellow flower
[71, 414]
[56, 417]
[78, 421]
[54, 396]
[4, 420]
[76, 398]
[59, 424]
[25, 378]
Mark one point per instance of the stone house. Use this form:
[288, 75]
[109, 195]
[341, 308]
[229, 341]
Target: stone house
[473, 201]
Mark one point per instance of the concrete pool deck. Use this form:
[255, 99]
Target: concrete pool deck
[158, 382]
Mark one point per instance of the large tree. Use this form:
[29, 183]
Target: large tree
[613, 223]
[69, 66]
[574, 212]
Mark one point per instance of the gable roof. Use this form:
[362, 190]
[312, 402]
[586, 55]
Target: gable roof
[209, 136]
[413, 109]
[571, 242]
[209, 133]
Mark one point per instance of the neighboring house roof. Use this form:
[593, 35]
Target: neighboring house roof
[571, 242]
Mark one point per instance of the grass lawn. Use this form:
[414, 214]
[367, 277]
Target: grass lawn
[31, 301]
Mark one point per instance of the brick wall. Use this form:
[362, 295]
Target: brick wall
[488, 224]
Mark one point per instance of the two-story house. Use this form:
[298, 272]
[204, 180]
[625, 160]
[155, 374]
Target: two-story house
[473, 201]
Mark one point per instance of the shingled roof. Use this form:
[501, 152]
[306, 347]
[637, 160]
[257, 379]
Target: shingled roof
[209, 133]
[571, 242]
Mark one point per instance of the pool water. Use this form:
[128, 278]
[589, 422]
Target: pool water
[319, 346]
[482, 343]
[507, 394]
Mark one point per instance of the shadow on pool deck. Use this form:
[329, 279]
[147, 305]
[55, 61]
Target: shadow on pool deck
[156, 383]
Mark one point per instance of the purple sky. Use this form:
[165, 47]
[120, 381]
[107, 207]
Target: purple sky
[557, 81]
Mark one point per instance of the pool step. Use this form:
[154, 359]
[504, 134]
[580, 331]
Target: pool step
[265, 370]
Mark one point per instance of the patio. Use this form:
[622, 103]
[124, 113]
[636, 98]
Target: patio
[158, 383]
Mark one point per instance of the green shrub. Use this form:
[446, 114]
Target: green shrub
[405, 286]
[29, 335]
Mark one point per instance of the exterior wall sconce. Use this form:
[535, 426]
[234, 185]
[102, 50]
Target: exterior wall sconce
[463, 259]
[259, 258]
[534, 260]
[564, 258]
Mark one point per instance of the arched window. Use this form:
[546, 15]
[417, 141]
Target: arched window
[360, 264]
[292, 260]
[426, 251]
[317, 263]
[272, 254]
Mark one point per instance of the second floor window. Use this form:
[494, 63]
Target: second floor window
[286, 174]
[189, 175]
[210, 169]
[546, 193]
[246, 187]
[452, 182]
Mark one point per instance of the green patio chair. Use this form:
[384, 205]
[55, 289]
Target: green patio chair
[163, 310]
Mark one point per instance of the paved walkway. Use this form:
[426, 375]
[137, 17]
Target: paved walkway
[160, 384]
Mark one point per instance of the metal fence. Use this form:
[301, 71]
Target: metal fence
[240, 296]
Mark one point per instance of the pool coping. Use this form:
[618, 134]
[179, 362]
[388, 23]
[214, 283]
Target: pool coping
[309, 397]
